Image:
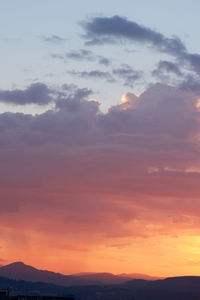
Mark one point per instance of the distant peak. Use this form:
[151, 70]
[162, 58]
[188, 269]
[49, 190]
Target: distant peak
[18, 263]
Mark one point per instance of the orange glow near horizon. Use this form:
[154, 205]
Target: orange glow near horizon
[163, 256]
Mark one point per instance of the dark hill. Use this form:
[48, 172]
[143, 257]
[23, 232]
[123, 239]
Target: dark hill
[177, 288]
[21, 271]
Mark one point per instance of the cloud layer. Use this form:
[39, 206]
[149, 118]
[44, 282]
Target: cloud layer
[75, 173]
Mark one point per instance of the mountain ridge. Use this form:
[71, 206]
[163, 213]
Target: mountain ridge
[20, 271]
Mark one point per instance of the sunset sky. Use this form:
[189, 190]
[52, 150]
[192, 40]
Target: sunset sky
[99, 135]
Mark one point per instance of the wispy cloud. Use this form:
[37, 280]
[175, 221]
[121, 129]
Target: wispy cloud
[55, 39]
[94, 74]
[82, 55]
[128, 74]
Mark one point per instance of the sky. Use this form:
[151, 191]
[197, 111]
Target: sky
[99, 136]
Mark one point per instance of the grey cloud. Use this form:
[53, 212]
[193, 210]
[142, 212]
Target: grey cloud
[191, 84]
[82, 54]
[166, 67]
[104, 61]
[95, 74]
[88, 55]
[37, 93]
[102, 30]
[194, 60]
[172, 108]
[128, 74]
[73, 99]
[41, 94]
[55, 39]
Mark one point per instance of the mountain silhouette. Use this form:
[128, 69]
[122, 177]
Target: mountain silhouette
[21, 271]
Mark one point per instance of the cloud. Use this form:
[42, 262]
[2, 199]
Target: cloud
[150, 138]
[102, 30]
[83, 55]
[40, 94]
[57, 56]
[125, 73]
[128, 74]
[193, 60]
[84, 177]
[191, 84]
[116, 29]
[167, 67]
[95, 74]
[55, 39]
[103, 60]
[36, 93]
[71, 98]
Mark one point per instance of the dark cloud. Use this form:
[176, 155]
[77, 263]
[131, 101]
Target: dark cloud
[37, 93]
[128, 74]
[95, 74]
[102, 30]
[166, 67]
[193, 60]
[41, 94]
